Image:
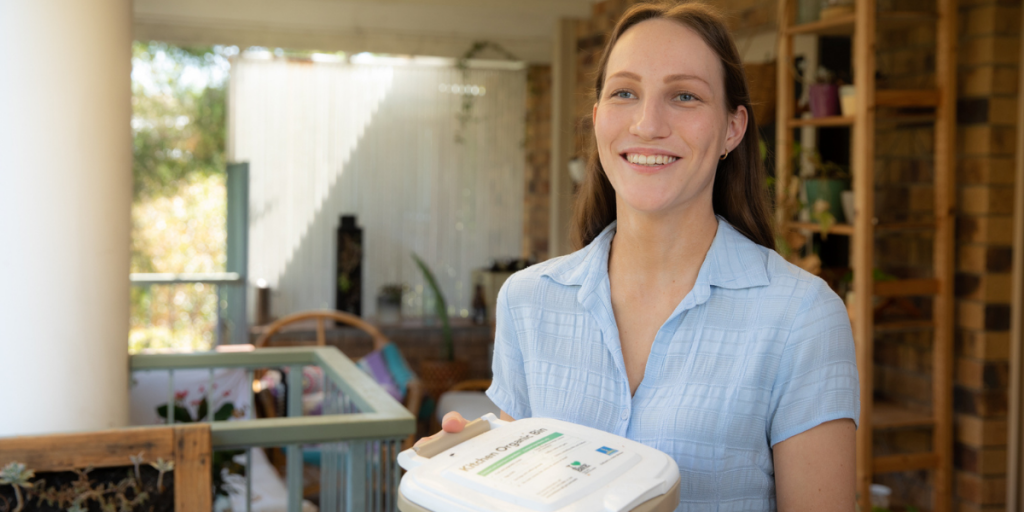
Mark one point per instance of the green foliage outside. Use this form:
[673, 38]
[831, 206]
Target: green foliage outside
[179, 114]
[179, 127]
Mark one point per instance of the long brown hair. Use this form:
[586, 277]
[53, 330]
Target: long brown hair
[739, 194]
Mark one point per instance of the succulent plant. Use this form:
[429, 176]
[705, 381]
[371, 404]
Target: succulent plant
[136, 461]
[162, 466]
[17, 475]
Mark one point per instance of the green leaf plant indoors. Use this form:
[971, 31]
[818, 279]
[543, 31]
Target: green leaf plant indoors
[440, 309]
[222, 460]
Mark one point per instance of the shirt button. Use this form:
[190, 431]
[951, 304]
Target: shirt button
[625, 415]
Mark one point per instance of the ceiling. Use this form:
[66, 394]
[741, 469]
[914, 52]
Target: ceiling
[444, 28]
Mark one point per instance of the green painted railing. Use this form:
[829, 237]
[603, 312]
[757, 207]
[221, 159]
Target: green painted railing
[359, 433]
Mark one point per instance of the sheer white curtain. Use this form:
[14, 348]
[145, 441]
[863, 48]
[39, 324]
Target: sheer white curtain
[377, 140]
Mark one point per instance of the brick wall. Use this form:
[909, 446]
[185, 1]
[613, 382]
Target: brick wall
[904, 192]
[536, 211]
[988, 58]
[988, 50]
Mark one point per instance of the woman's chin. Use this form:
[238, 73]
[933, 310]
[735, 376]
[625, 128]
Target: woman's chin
[651, 205]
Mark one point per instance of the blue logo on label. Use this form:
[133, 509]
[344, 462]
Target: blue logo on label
[607, 451]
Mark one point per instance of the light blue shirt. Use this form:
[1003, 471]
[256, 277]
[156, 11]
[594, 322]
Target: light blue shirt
[757, 352]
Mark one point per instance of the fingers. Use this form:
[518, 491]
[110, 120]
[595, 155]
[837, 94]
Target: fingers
[453, 422]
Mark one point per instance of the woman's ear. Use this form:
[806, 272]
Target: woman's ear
[737, 128]
[593, 116]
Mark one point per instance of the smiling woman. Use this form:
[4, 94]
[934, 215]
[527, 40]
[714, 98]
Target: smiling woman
[704, 88]
[676, 324]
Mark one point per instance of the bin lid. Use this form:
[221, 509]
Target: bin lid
[538, 465]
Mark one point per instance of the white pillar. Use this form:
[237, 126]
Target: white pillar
[65, 200]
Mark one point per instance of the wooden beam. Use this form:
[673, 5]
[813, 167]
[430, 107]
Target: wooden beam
[1015, 441]
[840, 25]
[108, 448]
[907, 98]
[864, 239]
[192, 468]
[814, 227]
[944, 252]
[823, 121]
[563, 130]
[888, 415]
[906, 288]
[906, 462]
[784, 111]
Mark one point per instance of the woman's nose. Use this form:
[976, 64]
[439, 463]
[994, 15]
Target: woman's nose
[650, 122]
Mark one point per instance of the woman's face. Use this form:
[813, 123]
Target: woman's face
[661, 122]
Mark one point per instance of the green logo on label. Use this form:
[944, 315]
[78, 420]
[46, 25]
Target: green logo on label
[577, 463]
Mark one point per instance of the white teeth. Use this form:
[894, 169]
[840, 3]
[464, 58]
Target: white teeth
[650, 159]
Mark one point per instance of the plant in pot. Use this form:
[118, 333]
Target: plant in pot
[824, 189]
[441, 374]
[823, 94]
[389, 303]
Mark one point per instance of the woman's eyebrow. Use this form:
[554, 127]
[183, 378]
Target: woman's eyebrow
[626, 74]
[684, 77]
[681, 77]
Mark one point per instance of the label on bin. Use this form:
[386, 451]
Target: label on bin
[540, 466]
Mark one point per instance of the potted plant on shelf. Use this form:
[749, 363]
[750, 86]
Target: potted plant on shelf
[389, 303]
[824, 189]
[823, 94]
[441, 374]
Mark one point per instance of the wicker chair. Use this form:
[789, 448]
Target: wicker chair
[414, 393]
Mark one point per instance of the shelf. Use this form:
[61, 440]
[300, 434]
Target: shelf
[907, 98]
[846, 24]
[906, 288]
[822, 121]
[905, 226]
[881, 109]
[838, 26]
[903, 325]
[847, 229]
[814, 227]
[905, 462]
[887, 415]
[897, 20]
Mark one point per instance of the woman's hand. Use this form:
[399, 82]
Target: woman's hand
[452, 423]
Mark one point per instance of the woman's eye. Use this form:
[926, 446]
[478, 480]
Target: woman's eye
[686, 97]
[626, 95]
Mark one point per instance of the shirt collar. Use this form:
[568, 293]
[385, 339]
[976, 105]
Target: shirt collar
[733, 262]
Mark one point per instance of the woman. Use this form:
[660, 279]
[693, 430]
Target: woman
[676, 324]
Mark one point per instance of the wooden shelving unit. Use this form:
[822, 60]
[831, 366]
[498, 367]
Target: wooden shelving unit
[861, 26]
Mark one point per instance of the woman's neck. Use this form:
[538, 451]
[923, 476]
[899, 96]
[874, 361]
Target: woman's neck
[651, 248]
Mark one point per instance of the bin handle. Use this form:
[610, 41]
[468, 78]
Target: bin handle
[446, 440]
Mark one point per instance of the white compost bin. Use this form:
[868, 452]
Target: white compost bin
[536, 465]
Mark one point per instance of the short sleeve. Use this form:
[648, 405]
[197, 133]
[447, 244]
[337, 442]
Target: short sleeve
[817, 379]
[508, 385]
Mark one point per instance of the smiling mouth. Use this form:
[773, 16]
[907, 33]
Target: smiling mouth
[649, 160]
